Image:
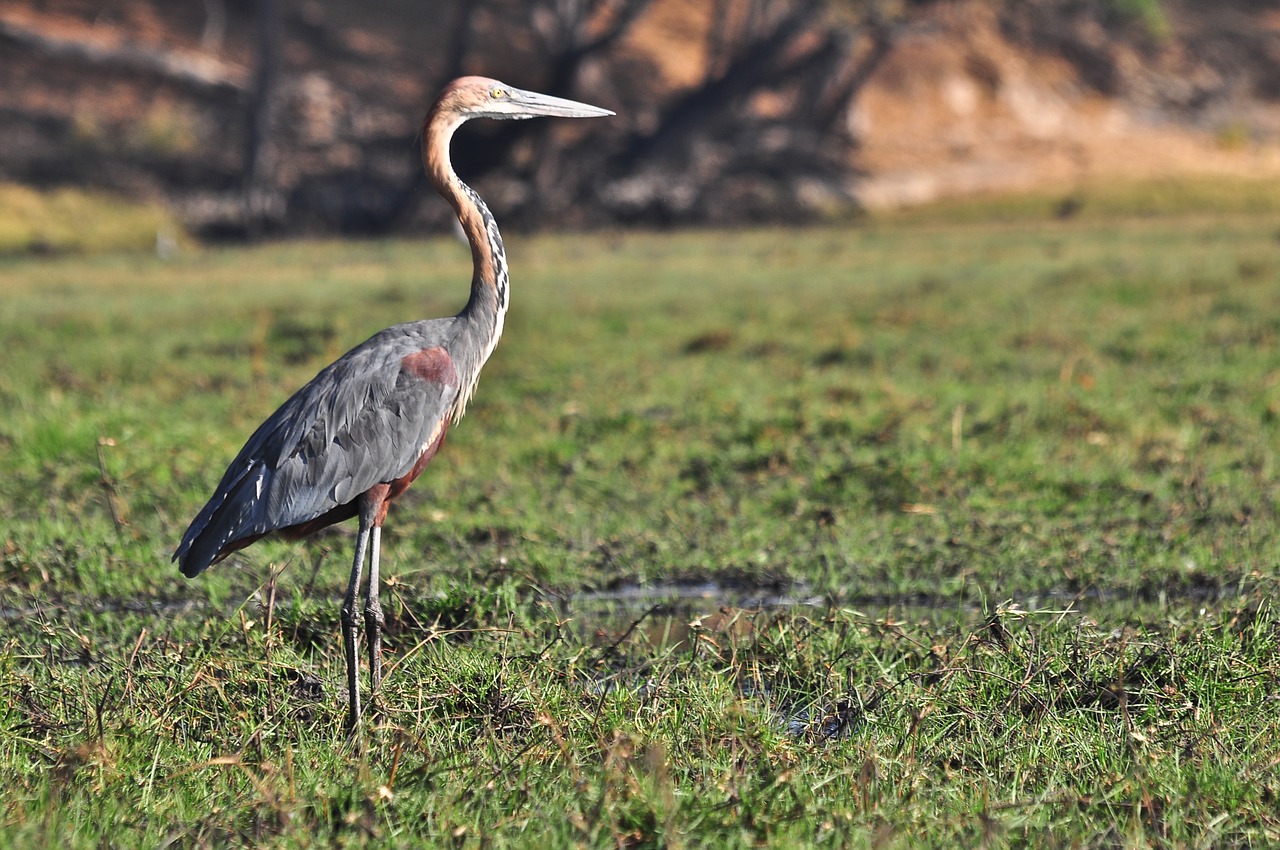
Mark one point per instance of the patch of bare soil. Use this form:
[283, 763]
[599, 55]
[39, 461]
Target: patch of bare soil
[961, 108]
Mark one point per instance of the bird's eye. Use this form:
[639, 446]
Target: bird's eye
[497, 93]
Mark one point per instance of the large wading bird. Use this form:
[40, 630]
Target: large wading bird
[354, 438]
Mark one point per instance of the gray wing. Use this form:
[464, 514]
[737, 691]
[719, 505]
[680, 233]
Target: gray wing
[365, 419]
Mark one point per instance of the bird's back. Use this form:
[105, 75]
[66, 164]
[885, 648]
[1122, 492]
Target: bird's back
[365, 419]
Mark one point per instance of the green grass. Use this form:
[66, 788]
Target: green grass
[1024, 469]
[71, 221]
[1099, 202]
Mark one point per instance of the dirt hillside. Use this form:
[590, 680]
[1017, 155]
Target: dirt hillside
[157, 100]
[969, 104]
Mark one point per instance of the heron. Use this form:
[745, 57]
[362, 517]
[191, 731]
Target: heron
[353, 439]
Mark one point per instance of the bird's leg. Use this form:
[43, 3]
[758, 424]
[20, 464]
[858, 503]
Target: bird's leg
[349, 627]
[373, 618]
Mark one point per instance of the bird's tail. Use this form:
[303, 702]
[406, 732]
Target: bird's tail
[225, 524]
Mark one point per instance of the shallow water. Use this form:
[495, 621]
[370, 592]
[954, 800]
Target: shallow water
[663, 601]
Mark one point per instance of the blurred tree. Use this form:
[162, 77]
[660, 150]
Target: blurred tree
[764, 134]
[766, 130]
[271, 115]
[256, 192]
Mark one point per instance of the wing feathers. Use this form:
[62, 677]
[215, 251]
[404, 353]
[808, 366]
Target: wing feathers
[363, 420]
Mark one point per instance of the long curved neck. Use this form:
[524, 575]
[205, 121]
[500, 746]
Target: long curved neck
[487, 306]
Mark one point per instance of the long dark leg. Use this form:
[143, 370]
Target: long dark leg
[349, 626]
[373, 619]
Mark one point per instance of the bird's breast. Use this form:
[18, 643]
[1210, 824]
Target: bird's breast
[428, 451]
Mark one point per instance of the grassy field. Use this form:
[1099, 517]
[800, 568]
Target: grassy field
[951, 529]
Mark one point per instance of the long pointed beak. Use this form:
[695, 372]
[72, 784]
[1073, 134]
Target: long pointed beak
[529, 104]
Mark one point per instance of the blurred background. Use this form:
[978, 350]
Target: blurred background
[249, 118]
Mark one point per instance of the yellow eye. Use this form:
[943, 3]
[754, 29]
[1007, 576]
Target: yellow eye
[496, 93]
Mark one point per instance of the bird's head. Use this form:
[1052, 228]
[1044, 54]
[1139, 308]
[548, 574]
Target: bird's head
[481, 97]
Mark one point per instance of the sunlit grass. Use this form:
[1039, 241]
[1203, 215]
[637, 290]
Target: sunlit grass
[73, 221]
[1111, 200]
